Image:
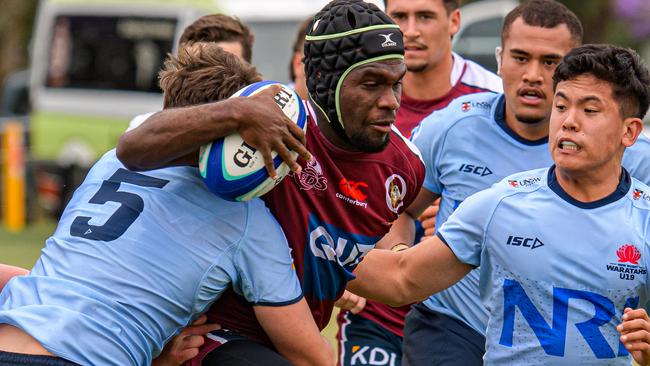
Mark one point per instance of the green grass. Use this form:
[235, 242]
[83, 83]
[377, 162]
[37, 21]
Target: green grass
[22, 249]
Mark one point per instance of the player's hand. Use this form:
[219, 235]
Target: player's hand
[428, 219]
[185, 346]
[635, 334]
[263, 125]
[351, 302]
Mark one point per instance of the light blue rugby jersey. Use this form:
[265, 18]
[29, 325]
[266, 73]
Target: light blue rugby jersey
[556, 273]
[136, 257]
[466, 148]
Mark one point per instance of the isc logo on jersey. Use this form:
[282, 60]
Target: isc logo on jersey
[234, 170]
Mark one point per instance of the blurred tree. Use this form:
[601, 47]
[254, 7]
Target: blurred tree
[16, 21]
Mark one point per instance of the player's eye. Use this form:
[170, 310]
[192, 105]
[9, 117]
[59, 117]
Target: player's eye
[560, 107]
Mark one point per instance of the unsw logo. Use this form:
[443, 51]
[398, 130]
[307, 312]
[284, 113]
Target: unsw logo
[520, 241]
[627, 265]
[475, 169]
[466, 106]
[640, 195]
[523, 182]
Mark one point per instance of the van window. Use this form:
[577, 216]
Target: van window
[109, 52]
[478, 41]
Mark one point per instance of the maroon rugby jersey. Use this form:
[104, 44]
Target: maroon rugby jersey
[332, 214]
[467, 77]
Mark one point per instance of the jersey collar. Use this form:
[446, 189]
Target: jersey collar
[621, 190]
[500, 118]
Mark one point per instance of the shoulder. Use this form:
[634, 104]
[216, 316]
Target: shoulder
[469, 108]
[636, 159]
[478, 77]
[639, 194]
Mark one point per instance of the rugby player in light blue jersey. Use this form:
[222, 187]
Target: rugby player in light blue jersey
[562, 250]
[138, 256]
[477, 141]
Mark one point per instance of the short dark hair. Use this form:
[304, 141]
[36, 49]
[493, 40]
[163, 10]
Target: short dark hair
[299, 44]
[545, 14]
[450, 5]
[202, 73]
[220, 28]
[621, 67]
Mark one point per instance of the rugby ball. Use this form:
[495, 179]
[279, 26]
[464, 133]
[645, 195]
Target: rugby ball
[234, 170]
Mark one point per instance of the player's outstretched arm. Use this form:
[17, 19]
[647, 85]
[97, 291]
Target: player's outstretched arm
[400, 278]
[403, 229]
[173, 136]
[635, 334]
[294, 334]
[8, 272]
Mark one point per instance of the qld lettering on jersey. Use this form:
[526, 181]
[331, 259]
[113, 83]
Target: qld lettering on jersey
[331, 257]
[552, 337]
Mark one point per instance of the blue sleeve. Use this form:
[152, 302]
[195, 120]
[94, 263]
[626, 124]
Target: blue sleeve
[429, 139]
[465, 230]
[263, 261]
[637, 159]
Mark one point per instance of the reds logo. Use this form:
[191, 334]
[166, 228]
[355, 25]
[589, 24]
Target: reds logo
[353, 189]
[628, 253]
[311, 177]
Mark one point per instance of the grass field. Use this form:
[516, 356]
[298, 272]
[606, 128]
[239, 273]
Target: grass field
[22, 249]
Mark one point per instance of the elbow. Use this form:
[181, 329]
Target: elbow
[125, 155]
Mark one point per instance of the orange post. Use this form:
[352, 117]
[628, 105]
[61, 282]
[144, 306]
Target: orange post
[13, 175]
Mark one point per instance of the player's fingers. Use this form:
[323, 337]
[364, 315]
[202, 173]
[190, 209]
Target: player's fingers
[186, 355]
[200, 320]
[630, 313]
[297, 132]
[268, 161]
[633, 325]
[359, 305]
[286, 156]
[194, 341]
[637, 346]
[298, 146]
[429, 232]
[200, 329]
[428, 223]
[270, 91]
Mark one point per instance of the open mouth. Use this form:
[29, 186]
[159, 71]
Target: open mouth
[568, 145]
[531, 95]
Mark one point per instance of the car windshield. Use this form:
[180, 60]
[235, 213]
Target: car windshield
[109, 52]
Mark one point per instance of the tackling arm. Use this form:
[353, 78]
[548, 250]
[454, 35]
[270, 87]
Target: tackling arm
[294, 333]
[400, 278]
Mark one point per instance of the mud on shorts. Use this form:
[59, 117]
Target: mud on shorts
[227, 348]
[364, 342]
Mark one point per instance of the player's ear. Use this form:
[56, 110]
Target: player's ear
[632, 127]
[454, 22]
[498, 53]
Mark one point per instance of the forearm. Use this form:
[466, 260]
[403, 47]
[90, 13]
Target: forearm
[400, 278]
[402, 231]
[8, 272]
[173, 136]
[294, 334]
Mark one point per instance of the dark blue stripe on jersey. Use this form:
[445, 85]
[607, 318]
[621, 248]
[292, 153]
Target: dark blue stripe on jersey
[620, 192]
[127, 176]
[284, 303]
[500, 118]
